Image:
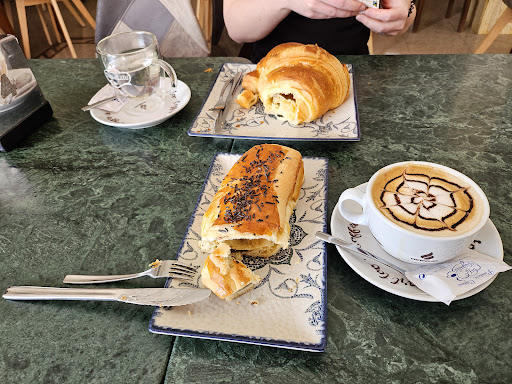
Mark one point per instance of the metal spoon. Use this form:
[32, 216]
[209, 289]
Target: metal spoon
[101, 102]
[354, 248]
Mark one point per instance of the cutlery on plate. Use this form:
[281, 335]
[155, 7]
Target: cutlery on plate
[221, 103]
[101, 102]
[160, 268]
[166, 297]
[221, 118]
[354, 248]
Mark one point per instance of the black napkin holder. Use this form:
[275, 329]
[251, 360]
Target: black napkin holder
[23, 108]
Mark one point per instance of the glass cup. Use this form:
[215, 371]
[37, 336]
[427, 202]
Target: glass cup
[133, 65]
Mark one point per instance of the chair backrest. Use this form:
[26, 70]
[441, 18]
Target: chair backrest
[5, 24]
[218, 21]
[173, 22]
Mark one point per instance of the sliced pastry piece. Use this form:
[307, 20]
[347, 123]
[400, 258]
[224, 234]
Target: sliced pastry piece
[225, 276]
[247, 99]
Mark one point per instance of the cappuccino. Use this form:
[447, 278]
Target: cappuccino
[427, 200]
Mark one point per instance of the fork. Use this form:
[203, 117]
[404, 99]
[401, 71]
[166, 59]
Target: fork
[221, 103]
[165, 268]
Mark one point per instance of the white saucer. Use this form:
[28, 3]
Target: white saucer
[138, 114]
[487, 242]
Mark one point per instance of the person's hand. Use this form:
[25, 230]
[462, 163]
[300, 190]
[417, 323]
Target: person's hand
[326, 9]
[391, 20]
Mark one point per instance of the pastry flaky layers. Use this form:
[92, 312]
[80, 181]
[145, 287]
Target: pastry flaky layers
[296, 82]
[250, 213]
[227, 277]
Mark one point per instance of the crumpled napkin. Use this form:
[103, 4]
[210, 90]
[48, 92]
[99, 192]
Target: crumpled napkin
[371, 3]
[445, 281]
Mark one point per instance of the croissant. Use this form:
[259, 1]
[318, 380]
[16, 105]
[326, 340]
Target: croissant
[297, 82]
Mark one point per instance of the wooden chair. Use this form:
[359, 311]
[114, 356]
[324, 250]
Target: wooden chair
[21, 6]
[501, 23]
[463, 16]
[204, 16]
[218, 21]
[5, 23]
[211, 19]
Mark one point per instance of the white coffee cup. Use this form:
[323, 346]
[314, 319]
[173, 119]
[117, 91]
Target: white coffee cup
[133, 65]
[395, 223]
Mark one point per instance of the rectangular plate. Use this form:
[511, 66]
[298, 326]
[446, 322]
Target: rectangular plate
[288, 308]
[339, 124]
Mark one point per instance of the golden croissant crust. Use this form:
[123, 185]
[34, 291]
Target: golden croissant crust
[297, 82]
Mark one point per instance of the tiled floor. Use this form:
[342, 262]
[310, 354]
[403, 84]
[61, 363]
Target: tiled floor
[436, 34]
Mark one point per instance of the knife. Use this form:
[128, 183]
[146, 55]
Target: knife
[221, 118]
[165, 297]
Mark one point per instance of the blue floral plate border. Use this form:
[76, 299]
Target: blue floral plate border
[288, 308]
[339, 124]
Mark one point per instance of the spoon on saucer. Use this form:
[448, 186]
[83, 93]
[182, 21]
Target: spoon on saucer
[354, 248]
[101, 102]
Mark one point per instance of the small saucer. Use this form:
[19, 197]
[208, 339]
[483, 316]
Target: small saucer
[138, 114]
[487, 242]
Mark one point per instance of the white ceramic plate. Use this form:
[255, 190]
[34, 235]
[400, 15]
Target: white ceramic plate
[288, 308]
[153, 111]
[340, 124]
[22, 92]
[386, 278]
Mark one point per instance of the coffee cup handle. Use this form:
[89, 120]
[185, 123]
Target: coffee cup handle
[169, 71]
[360, 198]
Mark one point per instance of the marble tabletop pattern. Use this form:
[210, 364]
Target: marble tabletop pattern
[81, 197]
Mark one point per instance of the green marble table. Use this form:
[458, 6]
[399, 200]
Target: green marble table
[80, 197]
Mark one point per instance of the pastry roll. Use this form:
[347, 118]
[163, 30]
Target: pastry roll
[251, 210]
[225, 276]
[297, 82]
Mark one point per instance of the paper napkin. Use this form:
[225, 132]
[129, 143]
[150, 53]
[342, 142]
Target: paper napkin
[446, 281]
[371, 3]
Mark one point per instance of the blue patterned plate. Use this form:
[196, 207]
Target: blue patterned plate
[339, 124]
[288, 308]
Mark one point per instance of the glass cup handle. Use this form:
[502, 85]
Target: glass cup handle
[170, 72]
[360, 198]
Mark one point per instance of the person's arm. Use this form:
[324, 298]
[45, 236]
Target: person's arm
[251, 20]
[393, 19]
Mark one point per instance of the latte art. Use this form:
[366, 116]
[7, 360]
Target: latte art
[426, 200]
